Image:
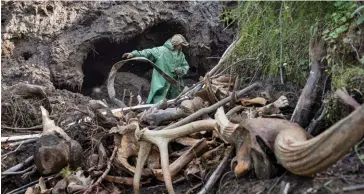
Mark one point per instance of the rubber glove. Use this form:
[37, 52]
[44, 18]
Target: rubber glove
[128, 55]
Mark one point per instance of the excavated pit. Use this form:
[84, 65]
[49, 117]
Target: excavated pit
[134, 76]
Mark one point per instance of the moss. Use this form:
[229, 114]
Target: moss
[349, 77]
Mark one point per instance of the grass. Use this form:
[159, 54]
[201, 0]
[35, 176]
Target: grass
[286, 43]
[261, 35]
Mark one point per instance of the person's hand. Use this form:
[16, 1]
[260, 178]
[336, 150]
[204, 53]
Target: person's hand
[178, 71]
[128, 55]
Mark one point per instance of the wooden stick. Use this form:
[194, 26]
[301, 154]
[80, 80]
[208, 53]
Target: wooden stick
[354, 188]
[217, 173]
[18, 172]
[284, 188]
[314, 122]
[99, 180]
[223, 58]
[19, 137]
[309, 95]
[19, 166]
[23, 129]
[281, 44]
[3, 156]
[130, 97]
[123, 96]
[21, 142]
[211, 108]
[123, 180]
[233, 96]
[25, 187]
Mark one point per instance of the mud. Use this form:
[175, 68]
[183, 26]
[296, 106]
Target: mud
[69, 47]
[131, 83]
[66, 37]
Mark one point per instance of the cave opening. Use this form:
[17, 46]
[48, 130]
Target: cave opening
[106, 52]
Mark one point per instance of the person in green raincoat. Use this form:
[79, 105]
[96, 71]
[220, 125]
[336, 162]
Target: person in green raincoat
[171, 60]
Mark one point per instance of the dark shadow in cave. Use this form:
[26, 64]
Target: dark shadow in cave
[106, 53]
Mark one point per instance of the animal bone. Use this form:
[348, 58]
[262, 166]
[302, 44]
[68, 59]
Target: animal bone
[211, 108]
[226, 128]
[293, 146]
[96, 104]
[274, 108]
[25, 90]
[242, 161]
[306, 157]
[122, 180]
[143, 153]
[195, 151]
[281, 102]
[160, 116]
[216, 152]
[129, 147]
[249, 150]
[55, 149]
[163, 137]
[187, 141]
[191, 106]
[278, 116]
[194, 169]
[73, 183]
[254, 101]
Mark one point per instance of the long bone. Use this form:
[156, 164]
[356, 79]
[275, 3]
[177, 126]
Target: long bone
[307, 157]
[163, 137]
[194, 152]
[212, 108]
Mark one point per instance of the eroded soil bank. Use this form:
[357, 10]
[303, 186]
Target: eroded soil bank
[70, 47]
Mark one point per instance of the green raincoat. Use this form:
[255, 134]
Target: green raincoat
[167, 59]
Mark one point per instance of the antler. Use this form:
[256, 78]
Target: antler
[163, 137]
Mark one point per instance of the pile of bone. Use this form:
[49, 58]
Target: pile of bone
[186, 139]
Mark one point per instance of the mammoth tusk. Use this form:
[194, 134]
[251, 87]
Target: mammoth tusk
[307, 157]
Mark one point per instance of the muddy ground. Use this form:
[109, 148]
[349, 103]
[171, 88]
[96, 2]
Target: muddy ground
[346, 172]
[83, 40]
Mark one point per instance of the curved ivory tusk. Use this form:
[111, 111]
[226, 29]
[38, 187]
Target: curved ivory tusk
[307, 157]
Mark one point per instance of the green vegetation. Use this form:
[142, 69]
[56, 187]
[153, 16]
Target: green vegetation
[287, 42]
[349, 77]
[66, 171]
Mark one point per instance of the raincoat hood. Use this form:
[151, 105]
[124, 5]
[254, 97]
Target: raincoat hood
[169, 45]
